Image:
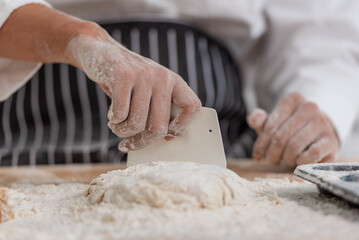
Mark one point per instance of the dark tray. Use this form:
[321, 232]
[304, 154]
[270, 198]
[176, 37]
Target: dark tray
[339, 179]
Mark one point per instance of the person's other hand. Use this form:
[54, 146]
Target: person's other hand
[295, 133]
[141, 90]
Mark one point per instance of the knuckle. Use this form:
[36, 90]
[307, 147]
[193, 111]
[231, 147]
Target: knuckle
[271, 125]
[158, 130]
[293, 147]
[274, 158]
[296, 97]
[326, 133]
[178, 81]
[138, 127]
[278, 139]
[117, 129]
[176, 77]
[145, 70]
[315, 152]
[110, 112]
[195, 106]
[263, 140]
[111, 125]
[259, 148]
[164, 72]
[164, 78]
[289, 159]
[269, 129]
[117, 116]
[197, 103]
[169, 82]
[127, 73]
[311, 107]
[256, 153]
[134, 125]
[121, 116]
[322, 120]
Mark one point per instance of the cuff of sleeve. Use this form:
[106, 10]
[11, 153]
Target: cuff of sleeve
[8, 6]
[14, 74]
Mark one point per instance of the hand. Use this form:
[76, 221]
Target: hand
[141, 90]
[295, 133]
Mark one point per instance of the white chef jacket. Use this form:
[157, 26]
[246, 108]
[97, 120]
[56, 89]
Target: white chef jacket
[14, 73]
[283, 46]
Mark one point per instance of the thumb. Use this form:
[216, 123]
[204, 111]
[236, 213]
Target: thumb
[257, 119]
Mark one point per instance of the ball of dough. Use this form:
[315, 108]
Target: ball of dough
[174, 185]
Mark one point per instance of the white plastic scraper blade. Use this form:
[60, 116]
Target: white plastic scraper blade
[202, 143]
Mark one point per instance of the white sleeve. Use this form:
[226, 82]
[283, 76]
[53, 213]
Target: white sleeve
[313, 48]
[14, 73]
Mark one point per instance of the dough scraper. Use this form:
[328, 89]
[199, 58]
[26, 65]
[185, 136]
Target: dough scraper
[201, 143]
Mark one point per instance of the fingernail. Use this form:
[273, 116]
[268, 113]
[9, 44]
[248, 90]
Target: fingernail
[125, 146]
[110, 113]
[256, 157]
[169, 137]
[300, 162]
[123, 149]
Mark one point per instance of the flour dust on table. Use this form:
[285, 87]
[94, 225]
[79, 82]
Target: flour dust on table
[174, 200]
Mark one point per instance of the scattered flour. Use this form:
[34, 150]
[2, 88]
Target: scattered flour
[108, 209]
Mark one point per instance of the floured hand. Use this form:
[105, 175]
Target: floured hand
[295, 133]
[141, 90]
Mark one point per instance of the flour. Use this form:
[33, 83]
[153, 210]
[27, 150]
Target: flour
[176, 185]
[259, 209]
[94, 57]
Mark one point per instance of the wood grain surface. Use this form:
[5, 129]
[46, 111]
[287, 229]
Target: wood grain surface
[85, 173]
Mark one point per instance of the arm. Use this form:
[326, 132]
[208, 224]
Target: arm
[315, 47]
[141, 90]
[37, 33]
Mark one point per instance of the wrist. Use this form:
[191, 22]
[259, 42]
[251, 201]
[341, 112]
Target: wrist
[81, 29]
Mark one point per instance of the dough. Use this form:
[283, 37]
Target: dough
[174, 185]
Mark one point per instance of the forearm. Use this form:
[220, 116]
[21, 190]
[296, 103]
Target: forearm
[40, 34]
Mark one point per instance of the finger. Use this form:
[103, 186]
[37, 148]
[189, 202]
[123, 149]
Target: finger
[330, 158]
[120, 106]
[157, 124]
[280, 114]
[139, 107]
[304, 113]
[189, 104]
[301, 141]
[257, 119]
[105, 89]
[317, 152]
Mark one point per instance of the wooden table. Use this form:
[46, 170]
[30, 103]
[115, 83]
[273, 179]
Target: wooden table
[82, 173]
